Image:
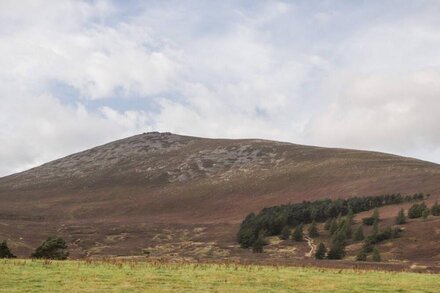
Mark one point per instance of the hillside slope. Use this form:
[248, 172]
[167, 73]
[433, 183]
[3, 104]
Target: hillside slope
[141, 184]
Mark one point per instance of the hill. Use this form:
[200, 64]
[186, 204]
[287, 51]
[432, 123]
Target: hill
[165, 194]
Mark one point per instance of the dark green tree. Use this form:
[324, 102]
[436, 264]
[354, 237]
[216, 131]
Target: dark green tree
[359, 234]
[425, 213]
[258, 245]
[376, 255]
[298, 233]
[337, 249]
[313, 230]
[416, 210]
[350, 217]
[362, 256]
[321, 251]
[327, 224]
[285, 233]
[333, 227]
[435, 209]
[375, 215]
[4, 251]
[52, 248]
[401, 219]
[375, 228]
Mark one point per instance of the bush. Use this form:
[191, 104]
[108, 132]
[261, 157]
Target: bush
[416, 210]
[376, 254]
[368, 221]
[52, 248]
[435, 210]
[4, 251]
[362, 256]
[321, 251]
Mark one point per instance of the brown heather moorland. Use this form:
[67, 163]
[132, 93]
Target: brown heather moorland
[166, 196]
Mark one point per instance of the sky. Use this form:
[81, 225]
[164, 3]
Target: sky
[352, 74]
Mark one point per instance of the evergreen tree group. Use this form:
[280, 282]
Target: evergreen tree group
[274, 219]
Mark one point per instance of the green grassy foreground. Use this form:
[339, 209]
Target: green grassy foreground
[118, 276]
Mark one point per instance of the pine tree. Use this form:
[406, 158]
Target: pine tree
[362, 256]
[425, 214]
[333, 227]
[350, 216]
[401, 219]
[327, 224]
[375, 215]
[337, 249]
[376, 254]
[258, 245]
[347, 229]
[4, 251]
[321, 251]
[375, 228]
[416, 210]
[435, 209]
[359, 234]
[298, 233]
[285, 233]
[313, 230]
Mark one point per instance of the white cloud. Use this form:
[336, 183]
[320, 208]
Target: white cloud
[303, 72]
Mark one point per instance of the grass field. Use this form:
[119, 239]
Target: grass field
[124, 276]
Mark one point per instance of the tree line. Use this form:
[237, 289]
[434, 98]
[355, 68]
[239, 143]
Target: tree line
[272, 220]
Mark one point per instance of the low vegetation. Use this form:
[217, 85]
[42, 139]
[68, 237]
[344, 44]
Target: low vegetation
[129, 276]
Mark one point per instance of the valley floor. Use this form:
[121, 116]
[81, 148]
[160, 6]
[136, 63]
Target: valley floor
[129, 276]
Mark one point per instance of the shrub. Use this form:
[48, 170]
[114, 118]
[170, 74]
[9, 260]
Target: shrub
[416, 210]
[52, 248]
[362, 256]
[4, 251]
[435, 210]
[425, 214]
[376, 254]
[368, 221]
[321, 251]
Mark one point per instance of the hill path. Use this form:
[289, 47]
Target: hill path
[312, 246]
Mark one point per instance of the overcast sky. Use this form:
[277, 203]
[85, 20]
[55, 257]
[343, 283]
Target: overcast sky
[355, 74]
